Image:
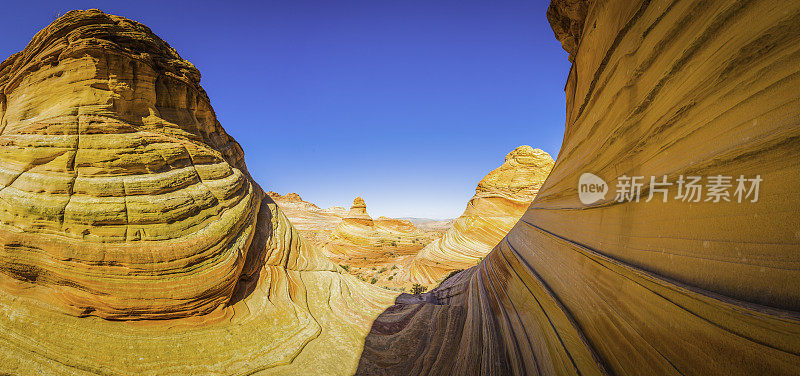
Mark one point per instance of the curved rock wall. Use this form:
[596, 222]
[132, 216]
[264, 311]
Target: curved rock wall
[675, 88]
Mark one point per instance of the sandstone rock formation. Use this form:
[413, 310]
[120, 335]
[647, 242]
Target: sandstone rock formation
[374, 248]
[358, 233]
[659, 87]
[132, 238]
[499, 201]
[314, 224]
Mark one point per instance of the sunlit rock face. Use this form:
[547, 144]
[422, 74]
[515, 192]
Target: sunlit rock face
[315, 224]
[359, 236]
[122, 195]
[640, 288]
[499, 201]
[132, 238]
[358, 213]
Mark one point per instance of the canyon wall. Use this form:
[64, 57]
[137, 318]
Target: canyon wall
[500, 199]
[660, 89]
[132, 238]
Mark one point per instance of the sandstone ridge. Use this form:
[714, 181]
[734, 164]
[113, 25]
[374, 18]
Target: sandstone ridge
[499, 201]
[314, 224]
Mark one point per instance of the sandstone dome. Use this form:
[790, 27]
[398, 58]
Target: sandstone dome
[122, 194]
[132, 238]
[358, 213]
[521, 175]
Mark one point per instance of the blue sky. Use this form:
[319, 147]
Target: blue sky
[407, 103]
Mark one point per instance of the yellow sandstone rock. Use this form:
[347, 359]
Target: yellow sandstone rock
[132, 238]
[315, 224]
[358, 235]
[373, 250]
[499, 201]
[660, 87]
[370, 249]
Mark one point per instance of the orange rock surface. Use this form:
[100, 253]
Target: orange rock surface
[374, 248]
[499, 201]
[622, 287]
[314, 224]
[132, 238]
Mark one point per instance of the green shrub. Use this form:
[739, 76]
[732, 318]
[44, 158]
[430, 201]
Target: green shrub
[373, 281]
[418, 289]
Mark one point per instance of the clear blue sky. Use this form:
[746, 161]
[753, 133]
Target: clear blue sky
[408, 103]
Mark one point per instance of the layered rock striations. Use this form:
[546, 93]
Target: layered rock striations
[315, 224]
[499, 201]
[359, 235]
[664, 89]
[374, 249]
[132, 238]
[358, 214]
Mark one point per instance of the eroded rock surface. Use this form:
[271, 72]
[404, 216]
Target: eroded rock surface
[132, 238]
[315, 224]
[675, 88]
[500, 199]
[374, 249]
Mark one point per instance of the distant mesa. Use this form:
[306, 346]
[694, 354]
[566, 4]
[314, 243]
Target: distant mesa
[293, 197]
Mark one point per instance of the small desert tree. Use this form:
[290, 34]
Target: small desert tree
[418, 289]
